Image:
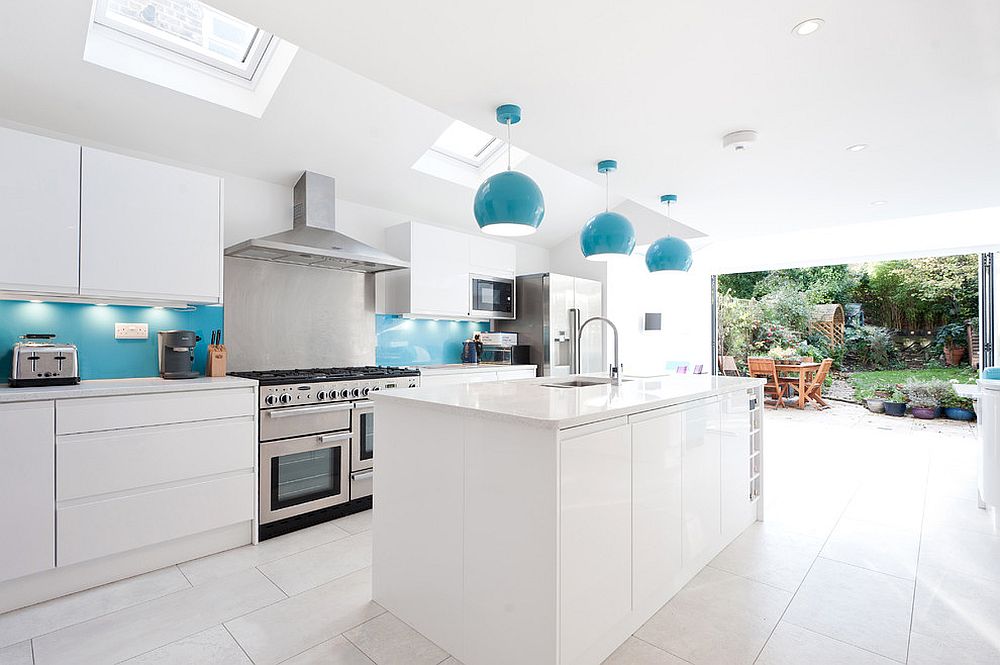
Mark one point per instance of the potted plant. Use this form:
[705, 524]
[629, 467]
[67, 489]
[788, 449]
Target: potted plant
[896, 404]
[957, 407]
[951, 338]
[875, 399]
[923, 397]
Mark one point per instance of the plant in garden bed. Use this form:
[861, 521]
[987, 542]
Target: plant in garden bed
[950, 339]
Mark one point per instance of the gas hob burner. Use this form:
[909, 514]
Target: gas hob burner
[318, 374]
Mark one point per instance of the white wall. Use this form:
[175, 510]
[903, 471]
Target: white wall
[684, 300]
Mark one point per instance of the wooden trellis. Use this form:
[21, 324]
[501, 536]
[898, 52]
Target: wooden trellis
[829, 321]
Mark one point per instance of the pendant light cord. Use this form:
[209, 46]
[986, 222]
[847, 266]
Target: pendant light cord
[670, 220]
[607, 191]
[508, 144]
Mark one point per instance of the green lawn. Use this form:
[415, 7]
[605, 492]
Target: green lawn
[865, 381]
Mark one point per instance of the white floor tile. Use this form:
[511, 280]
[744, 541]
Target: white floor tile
[337, 651]
[388, 641]
[357, 522]
[946, 512]
[211, 567]
[874, 546]
[16, 654]
[770, 555]
[967, 552]
[306, 570]
[792, 645]
[886, 506]
[141, 628]
[637, 652]
[76, 608]
[717, 619]
[958, 609]
[867, 609]
[214, 646]
[295, 624]
[926, 650]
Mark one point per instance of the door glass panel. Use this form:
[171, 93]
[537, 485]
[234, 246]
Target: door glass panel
[367, 436]
[307, 476]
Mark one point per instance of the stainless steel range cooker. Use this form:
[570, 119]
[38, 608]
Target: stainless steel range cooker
[317, 442]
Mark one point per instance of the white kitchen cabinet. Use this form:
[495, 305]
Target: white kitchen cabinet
[40, 214]
[736, 462]
[149, 231]
[657, 517]
[441, 261]
[595, 534]
[490, 257]
[701, 482]
[27, 488]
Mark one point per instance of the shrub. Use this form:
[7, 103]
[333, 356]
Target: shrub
[870, 347]
[929, 393]
[953, 400]
[787, 306]
[769, 335]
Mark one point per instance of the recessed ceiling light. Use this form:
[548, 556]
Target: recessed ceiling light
[879, 203]
[808, 27]
[857, 147]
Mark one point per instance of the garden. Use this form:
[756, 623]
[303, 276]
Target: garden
[901, 334]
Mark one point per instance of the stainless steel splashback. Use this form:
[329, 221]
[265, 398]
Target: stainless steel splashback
[281, 316]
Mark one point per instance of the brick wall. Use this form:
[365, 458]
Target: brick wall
[182, 18]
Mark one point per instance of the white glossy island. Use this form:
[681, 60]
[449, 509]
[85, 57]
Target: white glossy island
[521, 523]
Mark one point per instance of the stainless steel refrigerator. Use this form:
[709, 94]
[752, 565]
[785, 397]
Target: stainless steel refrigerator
[549, 311]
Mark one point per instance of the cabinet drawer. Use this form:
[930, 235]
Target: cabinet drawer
[91, 414]
[117, 460]
[101, 528]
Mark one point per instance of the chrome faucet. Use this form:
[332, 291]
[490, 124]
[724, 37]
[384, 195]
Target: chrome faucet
[615, 371]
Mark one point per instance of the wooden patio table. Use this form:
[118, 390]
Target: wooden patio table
[804, 372]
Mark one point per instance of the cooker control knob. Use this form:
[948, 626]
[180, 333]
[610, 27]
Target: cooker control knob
[364, 392]
[285, 398]
[271, 400]
[344, 394]
[355, 392]
[374, 388]
[321, 395]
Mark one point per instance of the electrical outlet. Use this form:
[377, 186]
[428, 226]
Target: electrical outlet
[131, 331]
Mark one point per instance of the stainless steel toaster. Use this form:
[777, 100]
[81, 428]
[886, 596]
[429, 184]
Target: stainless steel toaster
[39, 361]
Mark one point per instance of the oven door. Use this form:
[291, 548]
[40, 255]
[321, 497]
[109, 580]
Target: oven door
[285, 422]
[303, 474]
[363, 440]
[491, 297]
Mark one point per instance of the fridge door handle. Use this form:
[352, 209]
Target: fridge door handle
[574, 340]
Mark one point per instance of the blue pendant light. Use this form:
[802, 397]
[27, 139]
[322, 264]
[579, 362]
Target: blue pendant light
[668, 253]
[608, 235]
[508, 203]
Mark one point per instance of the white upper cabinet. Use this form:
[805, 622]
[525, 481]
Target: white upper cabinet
[441, 260]
[39, 213]
[149, 231]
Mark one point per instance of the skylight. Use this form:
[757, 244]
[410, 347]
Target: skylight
[468, 145]
[191, 29]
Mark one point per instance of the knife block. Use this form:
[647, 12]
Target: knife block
[216, 363]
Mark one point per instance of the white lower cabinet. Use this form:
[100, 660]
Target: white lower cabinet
[737, 508]
[657, 509]
[701, 482]
[595, 534]
[27, 488]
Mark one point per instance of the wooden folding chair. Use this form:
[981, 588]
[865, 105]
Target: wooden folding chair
[764, 368]
[727, 365]
[814, 391]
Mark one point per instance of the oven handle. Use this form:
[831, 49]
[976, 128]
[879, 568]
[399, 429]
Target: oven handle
[330, 438]
[306, 410]
[362, 475]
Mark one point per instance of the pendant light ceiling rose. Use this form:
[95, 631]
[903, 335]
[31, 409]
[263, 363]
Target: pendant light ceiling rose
[607, 166]
[508, 203]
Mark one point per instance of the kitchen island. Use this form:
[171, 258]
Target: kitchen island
[542, 522]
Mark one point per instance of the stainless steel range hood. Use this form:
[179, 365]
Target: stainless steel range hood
[314, 240]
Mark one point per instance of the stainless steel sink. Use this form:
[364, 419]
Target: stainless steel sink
[580, 383]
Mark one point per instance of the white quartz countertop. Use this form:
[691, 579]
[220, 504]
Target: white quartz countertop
[529, 401]
[111, 387]
[469, 367]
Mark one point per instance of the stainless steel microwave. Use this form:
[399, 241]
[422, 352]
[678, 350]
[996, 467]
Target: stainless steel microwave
[491, 297]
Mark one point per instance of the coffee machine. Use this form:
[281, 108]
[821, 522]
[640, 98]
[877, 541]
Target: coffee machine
[176, 349]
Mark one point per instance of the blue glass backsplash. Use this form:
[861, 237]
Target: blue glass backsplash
[401, 341]
[92, 329]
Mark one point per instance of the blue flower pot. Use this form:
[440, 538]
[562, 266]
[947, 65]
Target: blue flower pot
[955, 413]
[894, 408]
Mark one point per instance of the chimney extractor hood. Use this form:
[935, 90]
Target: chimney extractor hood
[314, 240]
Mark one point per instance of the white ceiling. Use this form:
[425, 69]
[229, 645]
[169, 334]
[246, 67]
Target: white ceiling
[656, 83]
[653, 83]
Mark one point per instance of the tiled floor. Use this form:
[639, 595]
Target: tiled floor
[873, 552]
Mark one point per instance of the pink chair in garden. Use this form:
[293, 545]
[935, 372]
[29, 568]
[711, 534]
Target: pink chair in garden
[681, 369]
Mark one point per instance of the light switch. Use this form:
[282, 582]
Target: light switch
[131, 331]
